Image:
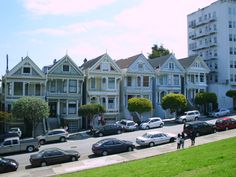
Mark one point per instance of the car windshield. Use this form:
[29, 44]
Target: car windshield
[219, 121]
[130, 123]
[147, 135]
[185, 114]
[14, 129]
[145, 121]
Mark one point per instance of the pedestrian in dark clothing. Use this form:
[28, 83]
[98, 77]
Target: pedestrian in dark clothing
[178, 140]
[192, 137]
[182, 139]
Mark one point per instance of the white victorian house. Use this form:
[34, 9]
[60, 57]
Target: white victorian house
[103, 78]
[137, 81]
[195, 79]
[64, 93]
[169, 76]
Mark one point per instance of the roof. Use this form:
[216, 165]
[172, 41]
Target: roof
[91, 62]
[125, 63]
[186, 62]
[159, 61]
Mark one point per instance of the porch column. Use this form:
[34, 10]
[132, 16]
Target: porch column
[58, 107]
[67, 107]
[23, 88]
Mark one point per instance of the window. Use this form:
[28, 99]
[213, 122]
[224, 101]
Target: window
[231, 63]
[171, 66]
[72, 86]
[72, 108]
[26, 89]
[231, 78]
[234, 78]
[98, 68]
[18, 88]
[230, 37]
[231, 50]
[145, 81]
[26, 70]
[201, 77]
[230, 24]
[111, 83]
[234, 50]
[139, 81]
[111, 103]
[176, 79]
[66, 68]
[93, 83]
[140, 66]
[37, 89]
[65, 86]
[105, 67]
[129, 81]
[53, 86]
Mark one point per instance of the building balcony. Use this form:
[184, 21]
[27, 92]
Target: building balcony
[203, 22]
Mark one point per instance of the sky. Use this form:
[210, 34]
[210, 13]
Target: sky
[46, 30]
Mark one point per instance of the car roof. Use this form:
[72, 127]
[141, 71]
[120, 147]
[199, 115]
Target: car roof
[59, 129]
[154, 118]
[125, 120]
[50, 149]
[153, 132]
[194, 122]
[224, 118]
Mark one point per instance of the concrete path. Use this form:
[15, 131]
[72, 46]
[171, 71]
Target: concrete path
[138, 153]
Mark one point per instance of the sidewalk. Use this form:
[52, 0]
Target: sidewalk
[118, 158]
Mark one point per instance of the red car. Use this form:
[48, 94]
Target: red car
[225, 123]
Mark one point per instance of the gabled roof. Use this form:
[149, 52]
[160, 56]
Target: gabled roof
[125, 63]
[159, 61]
[186, 62]
[91, 62]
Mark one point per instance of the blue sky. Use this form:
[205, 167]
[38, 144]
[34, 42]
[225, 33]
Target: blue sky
[48, 29]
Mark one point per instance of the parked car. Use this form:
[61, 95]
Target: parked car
[199, 127]
[128, 125]
[8, 165]
[14, 144]
[8, 135]
[53, 135]
[108, 129]
[154, 138]
[225, 123]
[111, 146]
[15, 130]
[53, 156]
[220, 112]
[152, 123]
[188, 116]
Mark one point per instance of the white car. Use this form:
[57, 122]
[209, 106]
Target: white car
[128, 125]
[154, 138]
[220, 112]
[152, 123]
[15, 130]
[188, 116]
[53, 135]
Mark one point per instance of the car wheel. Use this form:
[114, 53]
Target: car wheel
[119, 132]
[172, 140]
[104, 153]
[147, 127]
[161, 125]
[226, 128]
[184, 121]
[73, 159]
[100, 134]
[62, 139]
[42, 142]
[197, 134]
[130, 148]
[151, 144]
[43, 164]
[30, 148]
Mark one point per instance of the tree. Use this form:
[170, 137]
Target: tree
[32, 110]
[205, 99]
[232, 94]
[89, 111]
[139, 105]
[4, 117]
[174, 102]
[158, 51]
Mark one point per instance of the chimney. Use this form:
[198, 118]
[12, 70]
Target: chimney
[85, 60]
[7, 64]
[54, 61]
[21, 58]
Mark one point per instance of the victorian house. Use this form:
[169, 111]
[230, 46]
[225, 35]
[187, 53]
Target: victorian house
[169, 75]
[64, 83]
[195, 79]
[102, 86]
[137, 81]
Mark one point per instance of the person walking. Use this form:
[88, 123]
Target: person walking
[178, 140]
[182, 139]
[192, 137]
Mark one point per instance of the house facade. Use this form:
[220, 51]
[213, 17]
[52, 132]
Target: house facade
[64, 83]
[102, 85]
[137, 81]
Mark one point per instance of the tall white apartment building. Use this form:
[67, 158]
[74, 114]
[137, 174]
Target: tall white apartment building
[212, 35]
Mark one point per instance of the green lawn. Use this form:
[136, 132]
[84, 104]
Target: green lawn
[210, 160]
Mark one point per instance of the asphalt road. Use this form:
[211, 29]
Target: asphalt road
[83, 146]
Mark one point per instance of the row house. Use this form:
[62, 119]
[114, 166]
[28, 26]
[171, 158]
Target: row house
[102, 85]
[137, 81]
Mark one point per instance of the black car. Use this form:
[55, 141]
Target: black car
[199, 127]
[7, 165]
[108, 130]
[111, 146]
[53, 156]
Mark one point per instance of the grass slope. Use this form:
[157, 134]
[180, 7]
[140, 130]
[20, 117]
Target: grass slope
[216, 159]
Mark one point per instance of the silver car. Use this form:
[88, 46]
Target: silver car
[154, 138]
[152, 122]
[53, 135]
[128, 125]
